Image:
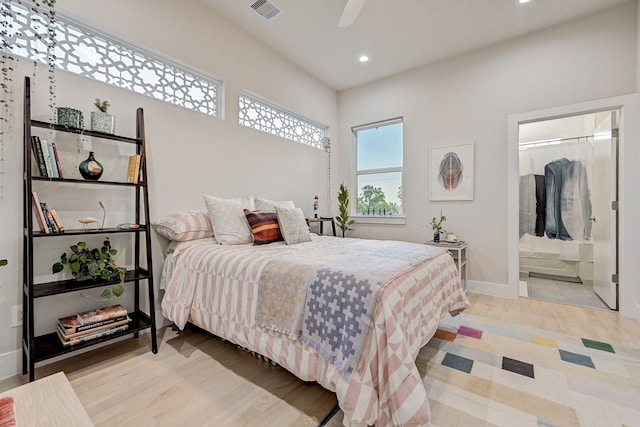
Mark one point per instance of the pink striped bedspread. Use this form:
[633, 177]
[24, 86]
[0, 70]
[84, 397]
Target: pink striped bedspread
[216, 288]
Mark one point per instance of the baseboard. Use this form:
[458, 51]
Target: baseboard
[491, 289]
[10, 364]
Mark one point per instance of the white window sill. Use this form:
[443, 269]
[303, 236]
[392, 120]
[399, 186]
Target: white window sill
[393, 220]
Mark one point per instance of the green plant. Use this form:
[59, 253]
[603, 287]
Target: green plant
[436, 224]
[96, 264]
[102, 105]
[343, 220]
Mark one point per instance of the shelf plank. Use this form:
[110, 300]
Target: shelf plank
[86, 132]
[71, 285]
[49, 345]
[87, 231]
[87, 181]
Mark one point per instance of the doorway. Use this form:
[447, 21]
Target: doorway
[567, 248]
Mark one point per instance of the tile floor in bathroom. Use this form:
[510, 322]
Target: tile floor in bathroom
[580, 294]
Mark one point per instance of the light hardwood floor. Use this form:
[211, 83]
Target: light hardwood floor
[198, 379]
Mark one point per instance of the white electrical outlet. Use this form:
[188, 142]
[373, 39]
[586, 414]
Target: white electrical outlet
[16, 316]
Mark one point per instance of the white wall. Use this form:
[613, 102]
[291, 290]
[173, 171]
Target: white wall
[470, 98]
[189, 154]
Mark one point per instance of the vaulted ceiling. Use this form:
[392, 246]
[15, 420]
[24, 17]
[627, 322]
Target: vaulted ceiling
[397, 35]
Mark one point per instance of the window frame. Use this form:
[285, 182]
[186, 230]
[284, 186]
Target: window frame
[375, 219]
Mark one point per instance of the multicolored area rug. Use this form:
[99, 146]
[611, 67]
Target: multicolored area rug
[482, 373]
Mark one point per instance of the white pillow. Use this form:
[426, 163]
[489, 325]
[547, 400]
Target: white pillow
[227, 218]
[293, 225]
[270, 205]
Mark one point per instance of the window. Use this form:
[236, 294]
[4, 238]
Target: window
[267, 117]
[81, 50]
[379, 168]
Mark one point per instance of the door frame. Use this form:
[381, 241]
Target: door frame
[629, 296]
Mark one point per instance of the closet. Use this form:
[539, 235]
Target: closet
[565, 220]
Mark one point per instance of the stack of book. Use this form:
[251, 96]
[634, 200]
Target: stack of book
[89, 325]
[48, 219]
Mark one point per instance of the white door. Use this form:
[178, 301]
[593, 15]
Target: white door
[604, 228]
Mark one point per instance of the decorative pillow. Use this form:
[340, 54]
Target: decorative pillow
[270, 205]
[264, 226]
[228, 220]
[183, 226]
[293, 225]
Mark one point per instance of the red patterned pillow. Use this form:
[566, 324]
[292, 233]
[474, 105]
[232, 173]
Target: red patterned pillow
[264, 226]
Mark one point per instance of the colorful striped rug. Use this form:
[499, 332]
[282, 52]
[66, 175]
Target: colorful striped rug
[480, 372]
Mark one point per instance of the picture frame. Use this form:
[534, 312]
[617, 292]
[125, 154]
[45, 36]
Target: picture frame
[451, 172]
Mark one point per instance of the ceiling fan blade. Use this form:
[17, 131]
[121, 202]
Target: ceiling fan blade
[350, 12]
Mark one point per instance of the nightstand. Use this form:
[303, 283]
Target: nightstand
[321, 221]
[458, 252]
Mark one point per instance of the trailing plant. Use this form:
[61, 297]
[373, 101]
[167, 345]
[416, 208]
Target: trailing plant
[95, 264]
[343, 219]
[8, 33]
[102, 105]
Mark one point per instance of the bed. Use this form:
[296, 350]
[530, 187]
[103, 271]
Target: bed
[350, 314]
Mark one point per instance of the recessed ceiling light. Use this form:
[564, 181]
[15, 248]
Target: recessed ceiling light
[524, 1]
[364, 58]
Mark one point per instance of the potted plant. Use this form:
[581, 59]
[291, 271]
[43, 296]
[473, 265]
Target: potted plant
[343, 220]
[94, 264]
[101, 121]
[436, 224]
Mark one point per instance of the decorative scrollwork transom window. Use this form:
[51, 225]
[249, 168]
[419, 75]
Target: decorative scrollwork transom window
[84, 51]
[264, 116]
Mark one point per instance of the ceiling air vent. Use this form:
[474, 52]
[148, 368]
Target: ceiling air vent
[266, 9]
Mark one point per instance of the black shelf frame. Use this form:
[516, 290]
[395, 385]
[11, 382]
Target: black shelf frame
[39, 348]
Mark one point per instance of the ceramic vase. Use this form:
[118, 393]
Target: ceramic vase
[90, 168]
[70, 117]
[103, 122]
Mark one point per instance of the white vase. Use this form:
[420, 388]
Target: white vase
[103, 122]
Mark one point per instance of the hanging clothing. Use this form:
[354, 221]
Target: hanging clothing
[541, 205]
[568, 215]
[575, 201]
[553, 176]
[527, 205]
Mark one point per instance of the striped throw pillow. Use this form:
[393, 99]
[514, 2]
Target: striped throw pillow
[264, 226]
[183, 226]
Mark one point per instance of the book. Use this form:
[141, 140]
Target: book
[92, 336]
[47, 159]
[48, 218]
[37, 210]
[52, 156]
[133, 171]
[36, 147]
[70, 327]
[97, 315]
[56, 220]
[57, 157]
